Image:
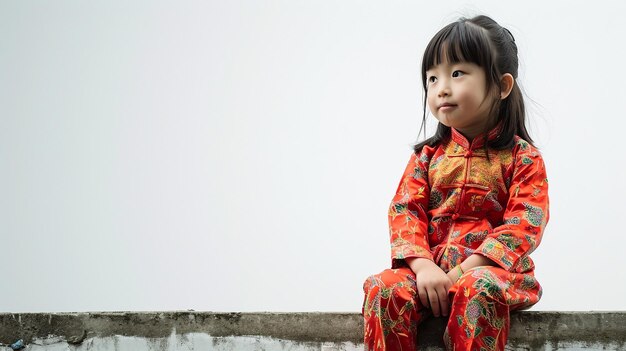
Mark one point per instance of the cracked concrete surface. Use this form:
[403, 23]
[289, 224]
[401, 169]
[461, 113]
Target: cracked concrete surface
[191, 330]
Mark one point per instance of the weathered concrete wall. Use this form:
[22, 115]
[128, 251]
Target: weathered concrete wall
[139, 331]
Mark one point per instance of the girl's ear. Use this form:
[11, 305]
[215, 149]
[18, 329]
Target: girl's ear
[506, 82]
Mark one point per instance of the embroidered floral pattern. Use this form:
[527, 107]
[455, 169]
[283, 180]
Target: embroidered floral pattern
[480, 304]
[452, 202]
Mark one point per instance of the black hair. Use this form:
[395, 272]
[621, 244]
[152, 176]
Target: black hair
[482, 41]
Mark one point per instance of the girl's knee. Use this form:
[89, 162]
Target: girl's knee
[484, 281]
[390, 279]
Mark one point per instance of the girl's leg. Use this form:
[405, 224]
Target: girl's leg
[391, 310]
[481, 301]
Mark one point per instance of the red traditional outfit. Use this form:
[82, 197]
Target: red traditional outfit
[451, 203]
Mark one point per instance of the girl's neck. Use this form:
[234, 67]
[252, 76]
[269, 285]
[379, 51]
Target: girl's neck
[472, 132]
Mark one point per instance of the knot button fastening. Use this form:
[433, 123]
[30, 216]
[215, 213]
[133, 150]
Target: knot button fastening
[455, 216]
[468, 154]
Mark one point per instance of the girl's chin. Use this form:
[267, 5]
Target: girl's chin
[446, 123]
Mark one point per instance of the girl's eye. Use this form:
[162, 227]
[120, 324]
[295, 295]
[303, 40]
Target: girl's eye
[432, 79]
[457, 74]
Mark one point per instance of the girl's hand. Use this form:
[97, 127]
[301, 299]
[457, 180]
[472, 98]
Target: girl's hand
[432, 285]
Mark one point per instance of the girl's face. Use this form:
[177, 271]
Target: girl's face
[457, 96]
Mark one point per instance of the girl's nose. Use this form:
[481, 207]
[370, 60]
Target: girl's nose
[444, 91]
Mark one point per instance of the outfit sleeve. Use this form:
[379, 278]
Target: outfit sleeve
[408, 218]
[525, 216]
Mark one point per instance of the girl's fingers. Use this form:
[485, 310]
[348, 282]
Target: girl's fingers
[443, 301]
[421, 292]
[434, 302]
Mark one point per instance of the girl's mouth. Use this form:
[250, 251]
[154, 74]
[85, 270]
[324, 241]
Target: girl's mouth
[446, 107]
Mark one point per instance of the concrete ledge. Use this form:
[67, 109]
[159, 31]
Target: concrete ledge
[530, 330]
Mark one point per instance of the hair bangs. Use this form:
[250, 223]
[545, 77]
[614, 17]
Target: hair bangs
[458, 42]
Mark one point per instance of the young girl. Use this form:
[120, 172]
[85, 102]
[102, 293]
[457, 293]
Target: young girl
[471, 206]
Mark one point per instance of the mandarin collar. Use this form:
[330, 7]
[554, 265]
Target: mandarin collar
[478, 141]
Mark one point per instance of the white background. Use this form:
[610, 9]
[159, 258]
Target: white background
[241, 155]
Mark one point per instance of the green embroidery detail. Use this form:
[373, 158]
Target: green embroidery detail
[510, 241]
[385, 293]
[533, 214]
[400, 208]
[512, 220]
[436, 199]
[523, 144]
[490, 341]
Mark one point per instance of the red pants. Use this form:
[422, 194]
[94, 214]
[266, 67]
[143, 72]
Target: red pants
[479, 313]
